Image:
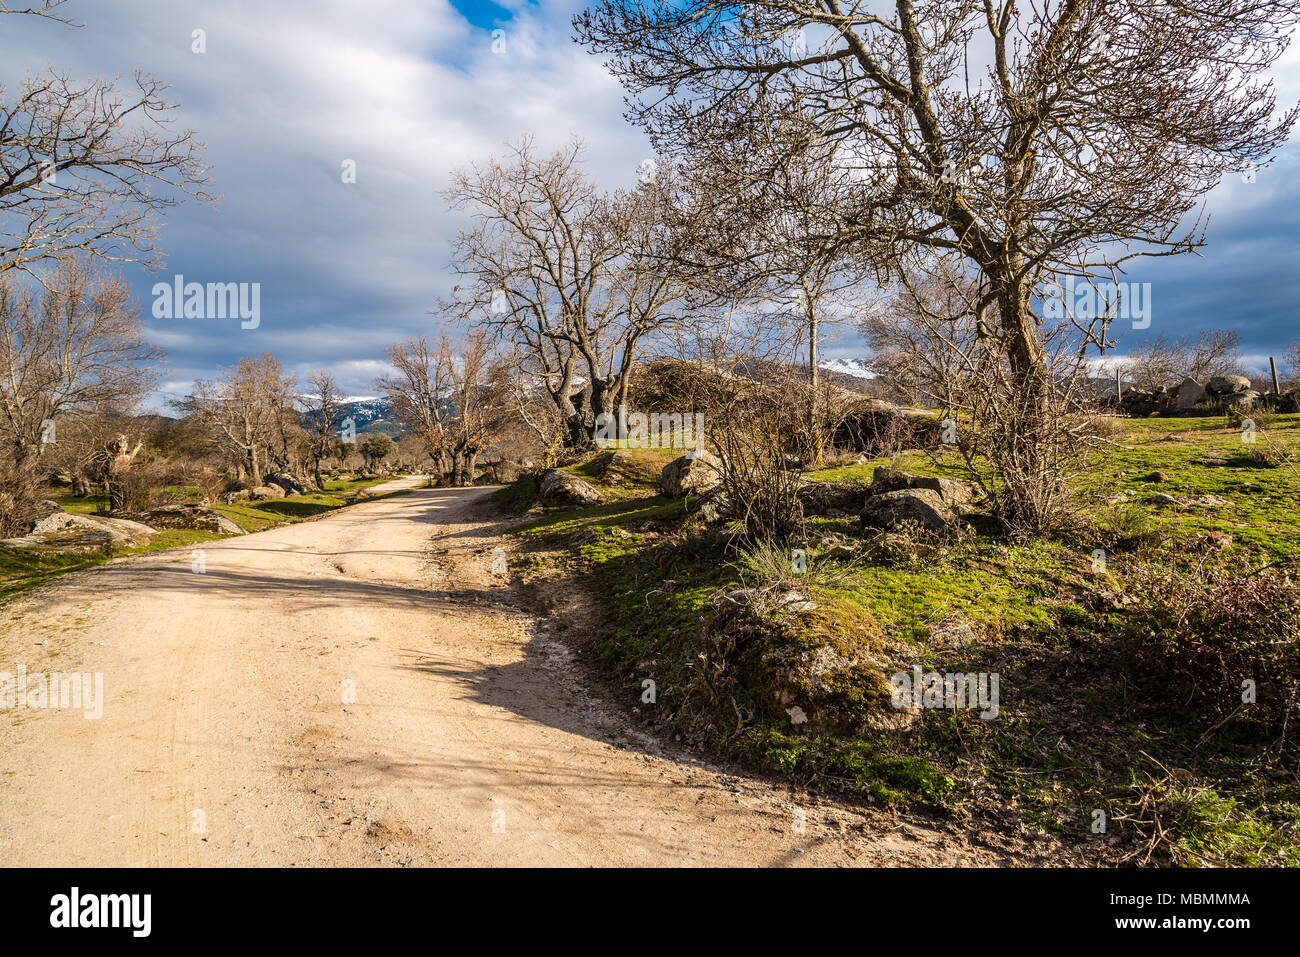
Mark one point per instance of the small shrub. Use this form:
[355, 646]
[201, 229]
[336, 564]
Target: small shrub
[1210, 626]
[1126, 526]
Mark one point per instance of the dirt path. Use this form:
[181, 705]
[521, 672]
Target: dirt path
[226, 738]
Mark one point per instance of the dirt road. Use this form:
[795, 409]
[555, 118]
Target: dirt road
[360, 690]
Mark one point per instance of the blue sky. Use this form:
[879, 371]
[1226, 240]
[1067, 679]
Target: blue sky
[411, 89]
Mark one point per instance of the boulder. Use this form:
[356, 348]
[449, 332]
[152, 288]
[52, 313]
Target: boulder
[952, 491]
[44, 508]
[1248, 399]
[287, 482]
[95, 529]
[193, 517]
[1227, 385]
[691, 476]
[925, 507]
[61, 479]
[716, 507]
[266, 491]
[1187, 395]
[561, 488]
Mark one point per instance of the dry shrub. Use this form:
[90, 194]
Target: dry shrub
[1206, 627]
[18, 495]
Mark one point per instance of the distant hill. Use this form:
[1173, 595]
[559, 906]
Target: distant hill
[367, 411]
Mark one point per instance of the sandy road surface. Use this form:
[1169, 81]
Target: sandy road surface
[226, 738]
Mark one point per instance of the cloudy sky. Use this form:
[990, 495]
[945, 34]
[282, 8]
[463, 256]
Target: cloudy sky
[408, 90]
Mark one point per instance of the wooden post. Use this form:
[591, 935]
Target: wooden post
[1119, 387]
[1272, 364]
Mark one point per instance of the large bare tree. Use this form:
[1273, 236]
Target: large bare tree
[87, 165]
[569, 279]
[72, 349]
[1036, 142]
[248, 414]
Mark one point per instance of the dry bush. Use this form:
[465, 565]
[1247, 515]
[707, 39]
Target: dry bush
[1206, 627]
[18, 495]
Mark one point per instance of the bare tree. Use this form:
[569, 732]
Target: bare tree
[1060, 139]
[1291, 364]
[569, 277]
[86, 166]
[418, 395]
[323, 406]
[244, 413]
[479, 390]
[454, 401]
[1161, 362]
[74, 349]
[45, 9]
[922, 336]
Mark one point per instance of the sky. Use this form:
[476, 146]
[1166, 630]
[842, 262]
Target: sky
[289, 91]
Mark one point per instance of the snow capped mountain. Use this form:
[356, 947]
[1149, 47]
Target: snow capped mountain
[365, 410]
[848, 366]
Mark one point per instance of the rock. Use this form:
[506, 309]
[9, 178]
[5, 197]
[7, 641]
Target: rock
[561, 488]
[266, 491]
[822, 688]
[952, 491]
[1211, 501]
[716, 508]
[60, 479]
[240, 495]
[923, 506]
[794, 601]
[762, 601]
[1286, 402]
[840, 553]
[953, 634]
[691, 476]
[1140, 403]
[1227, 384]
[1160, 498]
[184, 516]
[96, 529]
[45, 507]
[1247, 400]
[287, 482]
[1156, 476]
[1187, 395]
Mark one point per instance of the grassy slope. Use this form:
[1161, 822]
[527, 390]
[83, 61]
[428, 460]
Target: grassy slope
[22, 569]
[1078, 727]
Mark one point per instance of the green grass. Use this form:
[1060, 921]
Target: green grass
[1080, 721]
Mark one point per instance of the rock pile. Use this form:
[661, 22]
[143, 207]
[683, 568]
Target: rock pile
[1190, 397]
[933, 503]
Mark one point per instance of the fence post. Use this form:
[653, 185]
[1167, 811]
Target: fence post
[1272, 365]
